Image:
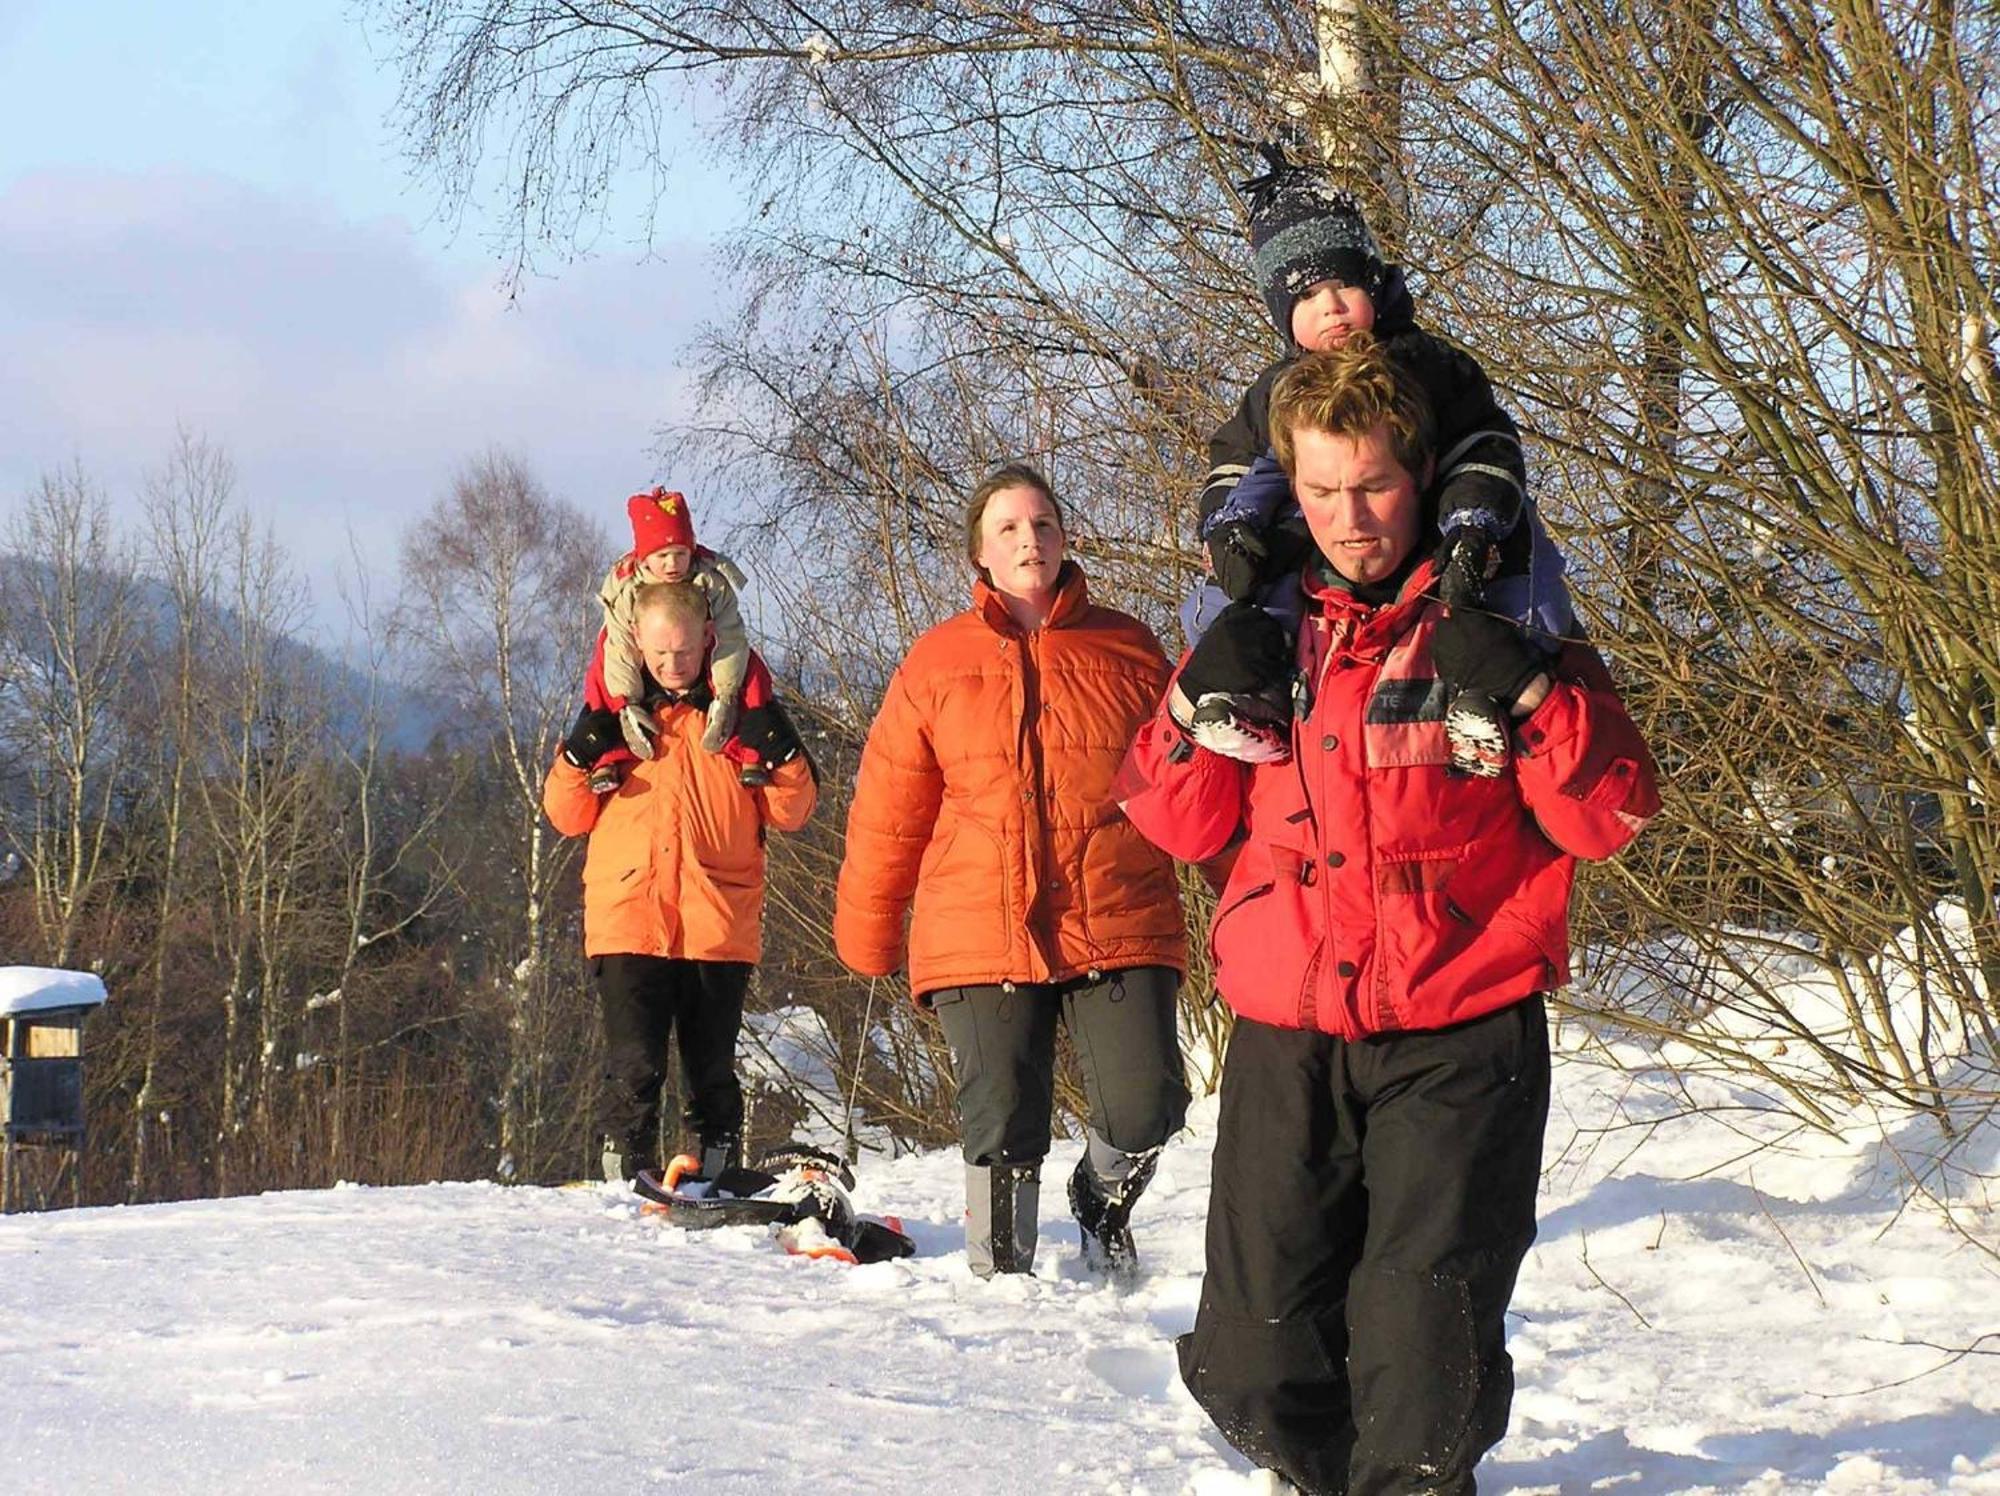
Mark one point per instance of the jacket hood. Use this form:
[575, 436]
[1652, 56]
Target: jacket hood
[1396, 311]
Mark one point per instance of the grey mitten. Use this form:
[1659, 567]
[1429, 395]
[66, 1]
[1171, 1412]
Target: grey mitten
[639, 728]
[721, 724]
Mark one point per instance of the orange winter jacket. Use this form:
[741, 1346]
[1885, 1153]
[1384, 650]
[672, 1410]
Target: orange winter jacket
[676, 859]
[984, 801]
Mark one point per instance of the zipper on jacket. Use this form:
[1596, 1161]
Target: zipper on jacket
[1351, 1007]
[1309, 989]
[1031, 739]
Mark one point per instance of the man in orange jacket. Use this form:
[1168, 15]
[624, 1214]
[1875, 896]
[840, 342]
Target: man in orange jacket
[673, 885]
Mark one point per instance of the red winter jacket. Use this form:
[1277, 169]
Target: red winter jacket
[1373, 890]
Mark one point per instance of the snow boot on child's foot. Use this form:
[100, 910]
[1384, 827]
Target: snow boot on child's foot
[1476, 730]
[721, 724]
[1253, 729]
[1002, 1205]
[1103, 1210]
[639, 728]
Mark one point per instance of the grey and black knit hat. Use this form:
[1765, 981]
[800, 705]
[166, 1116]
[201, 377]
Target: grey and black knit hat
[1304, 230]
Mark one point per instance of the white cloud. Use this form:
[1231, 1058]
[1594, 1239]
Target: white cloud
[347, 371]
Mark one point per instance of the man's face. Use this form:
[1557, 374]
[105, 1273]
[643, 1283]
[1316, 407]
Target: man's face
[1360, 503]
[673, 647]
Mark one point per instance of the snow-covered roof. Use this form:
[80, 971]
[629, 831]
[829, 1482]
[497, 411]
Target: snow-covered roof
[36, 989]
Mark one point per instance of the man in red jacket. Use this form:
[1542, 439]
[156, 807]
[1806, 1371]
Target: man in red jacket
[1386, 937]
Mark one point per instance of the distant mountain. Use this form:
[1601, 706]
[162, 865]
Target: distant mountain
[409, 721]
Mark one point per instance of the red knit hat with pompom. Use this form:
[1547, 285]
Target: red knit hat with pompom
[659, 519]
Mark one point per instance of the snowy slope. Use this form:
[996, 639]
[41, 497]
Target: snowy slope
[1697, 1316]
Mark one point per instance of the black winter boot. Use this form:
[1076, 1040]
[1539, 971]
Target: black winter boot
[1104, 1213]
[720, 1155]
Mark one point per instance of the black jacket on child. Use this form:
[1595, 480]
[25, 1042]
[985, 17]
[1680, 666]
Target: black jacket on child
[1481, 476]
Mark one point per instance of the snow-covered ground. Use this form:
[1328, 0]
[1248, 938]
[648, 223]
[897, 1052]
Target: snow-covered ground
[1701, 1314]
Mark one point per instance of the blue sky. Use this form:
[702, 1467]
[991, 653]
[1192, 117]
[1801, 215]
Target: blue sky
[205, 221]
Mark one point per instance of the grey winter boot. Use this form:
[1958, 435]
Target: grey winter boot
[1106, 1185]
[612, 1159]
[1002, 1204]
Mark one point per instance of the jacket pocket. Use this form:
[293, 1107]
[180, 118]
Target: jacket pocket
[737, 879]
[612, 879]
[1251, 881]
[1125, 888]
[964, 906]
[1474, 888]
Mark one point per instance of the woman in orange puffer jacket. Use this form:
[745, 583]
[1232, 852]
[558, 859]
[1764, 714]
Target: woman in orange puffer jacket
[984, 812]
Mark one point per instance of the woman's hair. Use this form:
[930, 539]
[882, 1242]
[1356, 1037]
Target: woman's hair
[1349, 391]
[1008, 475]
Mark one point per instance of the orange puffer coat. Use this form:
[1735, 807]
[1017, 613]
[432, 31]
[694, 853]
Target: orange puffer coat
[984, 799]
[676, 859]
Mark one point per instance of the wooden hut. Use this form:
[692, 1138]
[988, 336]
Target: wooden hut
[42, 1010]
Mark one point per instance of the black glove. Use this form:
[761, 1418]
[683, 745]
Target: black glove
[1466, 560]
[767, 732]
[1480, 652]
[1243, 652]
[1236, 554]
[596, 733]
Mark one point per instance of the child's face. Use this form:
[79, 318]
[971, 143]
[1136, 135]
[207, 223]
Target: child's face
[670, 563]
[1327, 313]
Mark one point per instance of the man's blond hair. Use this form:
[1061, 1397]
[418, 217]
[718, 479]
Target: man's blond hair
[1349, 391]
[680, 601]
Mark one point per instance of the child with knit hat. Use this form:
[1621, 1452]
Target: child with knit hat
[1324, 281]
[664, 550]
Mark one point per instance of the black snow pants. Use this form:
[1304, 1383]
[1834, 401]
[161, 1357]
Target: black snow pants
[1003, 1048]
[645, 1000]
[1371, 1205]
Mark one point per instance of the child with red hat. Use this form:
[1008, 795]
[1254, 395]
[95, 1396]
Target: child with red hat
[664, 550]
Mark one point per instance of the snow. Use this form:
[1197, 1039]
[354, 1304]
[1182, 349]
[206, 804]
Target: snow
[1720, 1301]
[37, 989]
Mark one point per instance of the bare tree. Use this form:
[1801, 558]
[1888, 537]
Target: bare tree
[393, 874]
[265, 811]
[188, 500]
[1734, 264]
[74, 618]
[499, 605]
[1754, 238]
